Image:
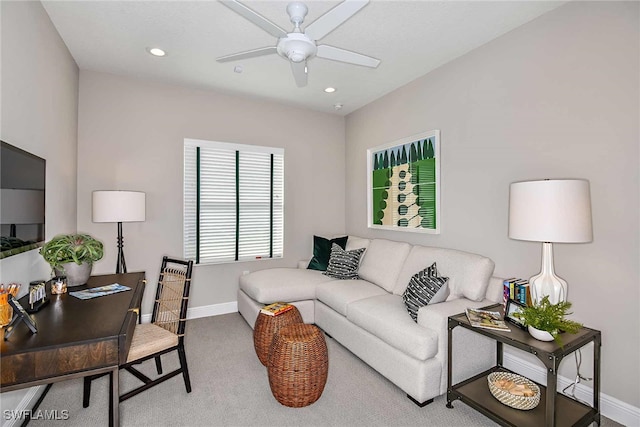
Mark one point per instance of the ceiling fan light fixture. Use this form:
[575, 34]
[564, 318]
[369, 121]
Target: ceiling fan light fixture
[296, 56]
[296, 47]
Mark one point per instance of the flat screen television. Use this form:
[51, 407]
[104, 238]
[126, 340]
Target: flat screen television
[22, 198]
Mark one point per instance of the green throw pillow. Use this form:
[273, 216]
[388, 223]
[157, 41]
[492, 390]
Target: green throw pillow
[322, 251]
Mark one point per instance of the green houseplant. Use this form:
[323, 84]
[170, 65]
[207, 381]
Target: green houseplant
[73, 255]
[550, 318]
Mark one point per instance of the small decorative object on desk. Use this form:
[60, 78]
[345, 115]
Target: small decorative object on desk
[486, 319]
[37, 296]
[276, 308]
[514, 390]
[59, 285]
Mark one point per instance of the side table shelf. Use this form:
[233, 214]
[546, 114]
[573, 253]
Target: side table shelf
[555, 409]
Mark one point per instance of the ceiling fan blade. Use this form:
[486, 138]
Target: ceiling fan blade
[248, 54]
[333, 18]
[342, 55]
[255, 17]
[299, 73]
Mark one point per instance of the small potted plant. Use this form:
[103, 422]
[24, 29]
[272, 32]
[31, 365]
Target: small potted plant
[545, 321]
[72, 255]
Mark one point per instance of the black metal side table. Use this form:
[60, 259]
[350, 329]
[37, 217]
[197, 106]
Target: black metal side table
[555, 409]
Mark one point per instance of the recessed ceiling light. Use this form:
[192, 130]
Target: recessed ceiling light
[330, 89]
[155, 51]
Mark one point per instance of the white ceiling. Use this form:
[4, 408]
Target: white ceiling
[411, 38]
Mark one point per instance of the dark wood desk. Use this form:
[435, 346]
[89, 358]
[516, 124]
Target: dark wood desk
[75, 338]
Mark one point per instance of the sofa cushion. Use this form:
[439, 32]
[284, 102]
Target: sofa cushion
[425, 287]
[282, 284]
[343, 264]
[337, 294]
[355, 242]
[386, 317]
[383, 261]
[468, 273]
[322, 251]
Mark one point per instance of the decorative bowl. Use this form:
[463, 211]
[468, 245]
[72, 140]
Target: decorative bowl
[503, 385]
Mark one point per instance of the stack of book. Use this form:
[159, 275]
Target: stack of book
[517, 290]
[276, 308]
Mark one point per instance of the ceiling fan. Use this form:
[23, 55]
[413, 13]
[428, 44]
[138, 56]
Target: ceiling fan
[299, 45]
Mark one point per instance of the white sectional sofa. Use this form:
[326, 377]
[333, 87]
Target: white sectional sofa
[368, 315]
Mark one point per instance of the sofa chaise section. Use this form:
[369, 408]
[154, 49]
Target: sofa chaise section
[368, 315]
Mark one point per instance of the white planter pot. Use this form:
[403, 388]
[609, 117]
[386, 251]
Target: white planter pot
[540, 335]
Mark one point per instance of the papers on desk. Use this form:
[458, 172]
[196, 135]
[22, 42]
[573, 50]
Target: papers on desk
[100, 292]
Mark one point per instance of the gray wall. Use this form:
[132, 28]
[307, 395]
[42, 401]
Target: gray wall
[555, 98]
[131, 136]
[39, 85]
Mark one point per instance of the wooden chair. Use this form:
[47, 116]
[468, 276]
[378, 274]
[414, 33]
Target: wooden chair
[164, 334]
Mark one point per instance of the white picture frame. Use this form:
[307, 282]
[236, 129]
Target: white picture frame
[403, 184]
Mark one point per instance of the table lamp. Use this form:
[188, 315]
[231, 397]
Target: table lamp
[550, 211]
[118, 206]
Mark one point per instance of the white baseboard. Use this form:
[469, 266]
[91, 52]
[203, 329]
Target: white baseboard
[204, 311]
[610, 407]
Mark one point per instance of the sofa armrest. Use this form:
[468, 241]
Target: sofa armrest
[472, 352]
[303, 263]
[494, 290]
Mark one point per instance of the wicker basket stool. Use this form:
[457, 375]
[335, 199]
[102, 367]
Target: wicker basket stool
[298, 365]
[266, 326]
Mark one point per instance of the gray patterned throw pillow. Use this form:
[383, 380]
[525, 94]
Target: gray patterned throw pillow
[425, 287]
[343, 264]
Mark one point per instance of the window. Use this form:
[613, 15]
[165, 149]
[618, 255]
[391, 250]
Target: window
[233, 202]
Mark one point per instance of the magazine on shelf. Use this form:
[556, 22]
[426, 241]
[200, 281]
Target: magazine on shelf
[487, 319]
[276, 308]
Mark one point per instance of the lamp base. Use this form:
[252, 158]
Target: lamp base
[121, 265]
[546, 283]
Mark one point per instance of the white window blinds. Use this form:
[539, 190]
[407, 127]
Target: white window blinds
[233, 202]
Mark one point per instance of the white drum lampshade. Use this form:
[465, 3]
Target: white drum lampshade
[550, 211]
[118, 206]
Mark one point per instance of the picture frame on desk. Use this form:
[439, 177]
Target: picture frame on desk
[512, 308]
[19, 314]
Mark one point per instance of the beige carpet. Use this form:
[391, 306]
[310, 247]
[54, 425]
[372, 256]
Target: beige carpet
[231, 388]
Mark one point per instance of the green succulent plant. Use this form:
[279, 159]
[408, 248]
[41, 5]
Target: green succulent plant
[549, 317]
[77, 248]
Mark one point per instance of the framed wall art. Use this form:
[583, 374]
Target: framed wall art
[404, 184]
